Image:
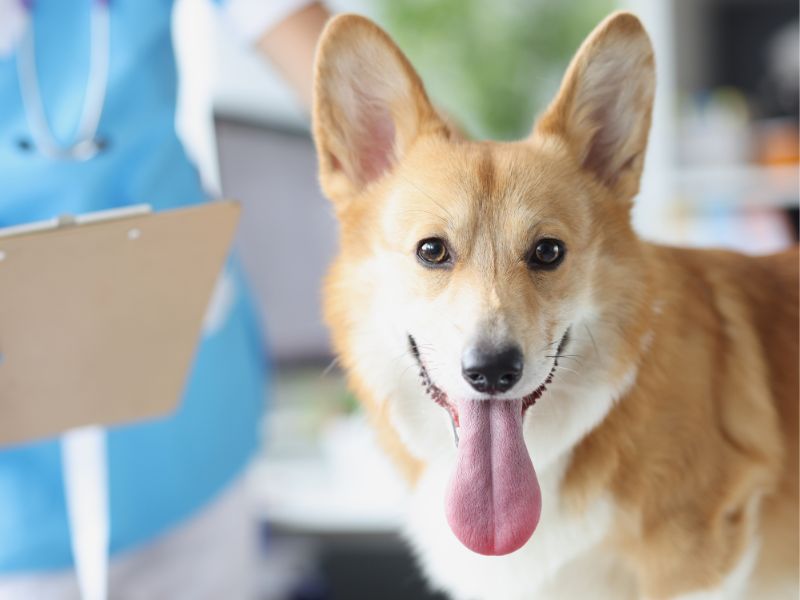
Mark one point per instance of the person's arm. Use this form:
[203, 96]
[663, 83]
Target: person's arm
[290, 45]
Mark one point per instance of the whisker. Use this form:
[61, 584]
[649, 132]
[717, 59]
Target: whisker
[589, 331]
[327, 370]
[427, 195]
[404, 371]
[546, 346]
[563, 368]
[576, 357]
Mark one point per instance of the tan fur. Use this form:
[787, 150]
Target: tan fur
[700, 454]
[711, 425]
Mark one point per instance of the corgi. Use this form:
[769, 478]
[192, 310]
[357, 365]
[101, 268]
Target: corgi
[578, 413]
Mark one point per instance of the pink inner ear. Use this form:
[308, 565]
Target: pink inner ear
[603, 146]
[374, 143]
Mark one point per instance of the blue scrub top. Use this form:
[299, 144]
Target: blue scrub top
[162, 471]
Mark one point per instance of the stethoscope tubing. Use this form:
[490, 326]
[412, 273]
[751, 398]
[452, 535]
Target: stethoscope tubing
[84, 455]
[85, 145]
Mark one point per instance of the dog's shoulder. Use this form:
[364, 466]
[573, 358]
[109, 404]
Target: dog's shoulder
[704, 434]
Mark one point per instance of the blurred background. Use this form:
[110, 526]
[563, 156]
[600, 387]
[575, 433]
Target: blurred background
[722, 170]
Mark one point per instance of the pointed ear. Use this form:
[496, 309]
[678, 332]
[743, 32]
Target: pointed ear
[369, 106]
[603, 108]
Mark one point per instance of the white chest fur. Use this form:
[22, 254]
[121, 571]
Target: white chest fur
[557, 562]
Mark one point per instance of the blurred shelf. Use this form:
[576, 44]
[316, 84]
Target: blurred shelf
[344, 485]
[304, 496]
[745, 186]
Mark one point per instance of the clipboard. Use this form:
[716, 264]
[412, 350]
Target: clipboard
[100, 315]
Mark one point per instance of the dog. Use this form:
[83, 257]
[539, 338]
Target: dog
[579, 413]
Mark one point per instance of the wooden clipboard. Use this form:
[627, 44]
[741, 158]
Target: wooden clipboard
[99, 320]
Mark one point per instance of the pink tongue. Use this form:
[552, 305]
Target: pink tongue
[493, 500]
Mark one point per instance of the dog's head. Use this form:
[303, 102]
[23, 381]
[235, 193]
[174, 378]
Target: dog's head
[469, 271]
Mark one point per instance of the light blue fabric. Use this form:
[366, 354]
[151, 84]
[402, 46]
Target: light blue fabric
[162, 471]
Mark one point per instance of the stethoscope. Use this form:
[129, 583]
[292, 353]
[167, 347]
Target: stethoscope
[83, 451]
[85, 145]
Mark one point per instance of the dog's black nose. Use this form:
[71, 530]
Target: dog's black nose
[492, 371]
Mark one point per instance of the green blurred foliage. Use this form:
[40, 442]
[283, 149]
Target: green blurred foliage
[492, 65]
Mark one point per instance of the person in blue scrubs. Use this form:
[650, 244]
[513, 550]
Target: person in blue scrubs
[57, 158]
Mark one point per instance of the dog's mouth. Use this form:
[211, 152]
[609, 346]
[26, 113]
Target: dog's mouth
[440, 397]
[493, 500]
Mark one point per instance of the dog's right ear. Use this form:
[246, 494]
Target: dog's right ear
[369, 106]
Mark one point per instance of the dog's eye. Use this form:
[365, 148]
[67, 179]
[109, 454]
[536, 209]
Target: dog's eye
[433, 252]
[547, 254]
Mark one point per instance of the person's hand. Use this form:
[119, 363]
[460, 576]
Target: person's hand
[290, 47]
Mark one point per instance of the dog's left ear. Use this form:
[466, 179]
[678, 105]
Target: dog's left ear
[604, 106]
[369, 106]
